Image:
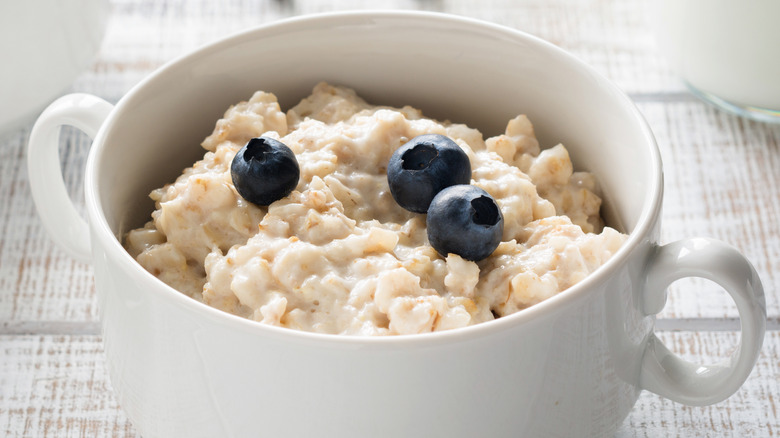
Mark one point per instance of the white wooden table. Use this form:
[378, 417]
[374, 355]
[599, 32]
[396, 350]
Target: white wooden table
[722, 175]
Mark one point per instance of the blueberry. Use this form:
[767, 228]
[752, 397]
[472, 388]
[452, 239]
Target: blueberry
[464, 220]
[264, 170]
[424, 166]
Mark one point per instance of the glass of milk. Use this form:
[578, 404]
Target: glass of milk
[726, 51]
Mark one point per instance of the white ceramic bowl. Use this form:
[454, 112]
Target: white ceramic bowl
[44, 45]
[570, 366]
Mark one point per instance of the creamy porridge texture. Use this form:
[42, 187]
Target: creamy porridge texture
[338, 255]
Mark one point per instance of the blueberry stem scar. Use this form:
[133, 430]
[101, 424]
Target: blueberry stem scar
[257, 149]
[419, 157]
[485, 211]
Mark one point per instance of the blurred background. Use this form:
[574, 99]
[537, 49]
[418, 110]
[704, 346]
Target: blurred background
[721, 175]
[142, 35]
[139, 36]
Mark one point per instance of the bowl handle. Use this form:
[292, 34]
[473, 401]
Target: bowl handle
[60, 218]
[668, 375]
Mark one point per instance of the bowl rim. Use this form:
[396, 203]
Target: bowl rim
[641, 234]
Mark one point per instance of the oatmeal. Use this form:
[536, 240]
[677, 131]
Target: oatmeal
[338, 254]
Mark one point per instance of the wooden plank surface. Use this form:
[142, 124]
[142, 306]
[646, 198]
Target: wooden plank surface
[39, 282]
[57, 386]
[750, 412]
[721, 181]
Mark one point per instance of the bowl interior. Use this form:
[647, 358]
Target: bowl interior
[452, 68]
